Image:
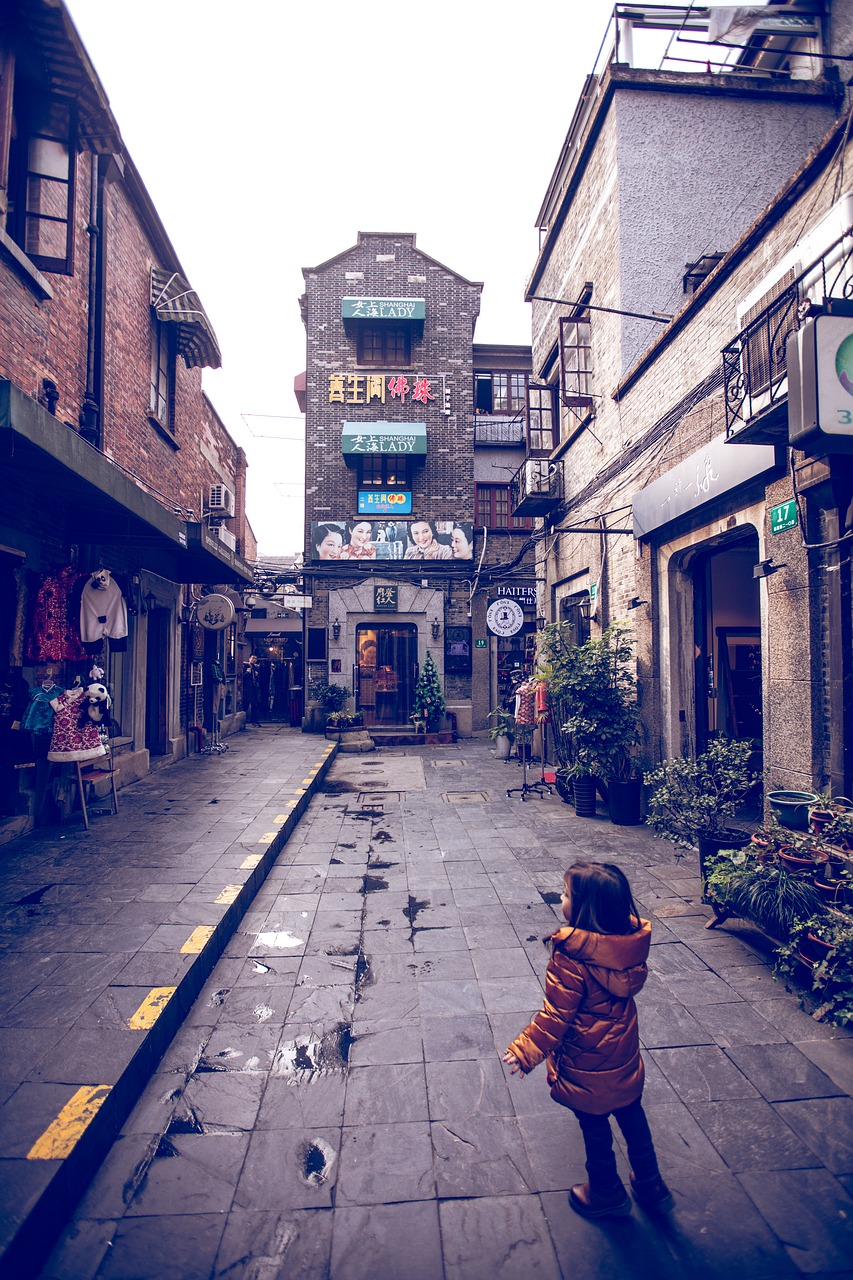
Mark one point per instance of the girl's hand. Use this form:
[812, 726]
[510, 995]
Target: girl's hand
[513, 1063]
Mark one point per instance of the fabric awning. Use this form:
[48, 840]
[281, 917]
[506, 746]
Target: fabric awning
[383, 309]
[176, 303]
[361, 438]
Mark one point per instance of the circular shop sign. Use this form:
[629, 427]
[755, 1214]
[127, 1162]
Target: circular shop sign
[504, 617]
[215, 612]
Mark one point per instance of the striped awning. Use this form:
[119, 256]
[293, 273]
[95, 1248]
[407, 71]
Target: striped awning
[176, 303]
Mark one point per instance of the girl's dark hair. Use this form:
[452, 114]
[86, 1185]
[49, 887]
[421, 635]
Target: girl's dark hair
[322, 531]
[601, 899]
[351, 524]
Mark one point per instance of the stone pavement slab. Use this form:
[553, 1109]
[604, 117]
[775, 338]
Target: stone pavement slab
[344, 1059]
[106, 938]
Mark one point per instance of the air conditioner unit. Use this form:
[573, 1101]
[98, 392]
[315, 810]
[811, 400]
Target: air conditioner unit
[221, 500]
[229, 538]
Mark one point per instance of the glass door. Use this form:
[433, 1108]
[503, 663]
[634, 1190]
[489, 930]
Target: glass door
[386, 671]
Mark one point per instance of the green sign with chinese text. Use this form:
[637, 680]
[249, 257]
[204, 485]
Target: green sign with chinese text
[783, 517]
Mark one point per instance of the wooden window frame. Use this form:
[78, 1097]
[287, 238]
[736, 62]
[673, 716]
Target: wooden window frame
[25, 208]
[383, 345]
[542, 435]
[161, 401]
[374, 470]
[486, 504]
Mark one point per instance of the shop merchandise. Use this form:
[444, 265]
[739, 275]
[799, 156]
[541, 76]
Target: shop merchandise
[75, 736]
[53, 636]
[38, 717]
[103, 612]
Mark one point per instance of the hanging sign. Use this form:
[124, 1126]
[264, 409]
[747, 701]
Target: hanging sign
[504, 617]
[215, 612]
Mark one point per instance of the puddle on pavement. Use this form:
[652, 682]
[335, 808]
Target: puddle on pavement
[165, 1149]
[372, 884]
[33, 899]
[413, 909]
[382, 837]
[363, 974]
[332, 787]
[381, 866]
[308, 1057]
[552, 899]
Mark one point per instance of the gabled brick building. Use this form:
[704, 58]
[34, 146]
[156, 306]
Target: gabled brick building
[408, 529]
[111, 454]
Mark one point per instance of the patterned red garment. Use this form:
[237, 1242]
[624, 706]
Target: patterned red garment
[70, 739]
[53, 637]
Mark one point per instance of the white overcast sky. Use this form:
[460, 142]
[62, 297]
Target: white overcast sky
[269, 133]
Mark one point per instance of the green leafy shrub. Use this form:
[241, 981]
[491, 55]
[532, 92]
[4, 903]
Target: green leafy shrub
[831, 979]
[764, 892]
[699, 796]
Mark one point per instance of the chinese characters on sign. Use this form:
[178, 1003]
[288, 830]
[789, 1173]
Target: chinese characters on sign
[384, 599]
[383, 504]
[383, 308]
[363, 388]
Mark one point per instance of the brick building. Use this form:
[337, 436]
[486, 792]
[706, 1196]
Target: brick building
[692, 222]
[413, 433]
[112, 457]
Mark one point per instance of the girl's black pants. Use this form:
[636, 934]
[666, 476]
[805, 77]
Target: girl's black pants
[598, 1141]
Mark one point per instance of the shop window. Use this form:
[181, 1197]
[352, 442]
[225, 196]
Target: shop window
[492, 509]
[384, 471]
[500, 392]
[384, 345]
[574, 614]
[40, 150]
[161, 403]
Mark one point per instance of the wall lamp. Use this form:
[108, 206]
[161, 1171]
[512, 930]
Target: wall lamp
[436, 628]
[336, 630]
[635, 602]
[764, 568]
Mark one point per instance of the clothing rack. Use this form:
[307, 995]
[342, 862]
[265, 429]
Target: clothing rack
[215, 745]
[527, 788]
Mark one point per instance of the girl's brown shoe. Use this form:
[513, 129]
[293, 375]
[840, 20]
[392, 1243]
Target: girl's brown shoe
[616, 1204]
[652, 1195]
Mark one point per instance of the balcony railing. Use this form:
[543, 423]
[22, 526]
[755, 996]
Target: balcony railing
[535, 488]
[755, 370]
[498, 428]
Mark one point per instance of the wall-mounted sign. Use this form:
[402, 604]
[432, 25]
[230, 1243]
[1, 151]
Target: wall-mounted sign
[820, 385]
[481, 644]
[457, 650]
[712, 471]
[523, 592]
[215, 612]
[364, 388]
[385, 599]
[361, 438]
[389, 502]
[783, 517]
[383, 308]
[391, 540]
[504, 617]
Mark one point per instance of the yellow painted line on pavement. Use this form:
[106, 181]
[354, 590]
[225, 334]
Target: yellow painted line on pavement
[306, 782]
[300, 791]
[197, 940]
[251, 862]
[281, 818]
[228, 894]
[60, 1138]
[151, 1008]
[268, 838]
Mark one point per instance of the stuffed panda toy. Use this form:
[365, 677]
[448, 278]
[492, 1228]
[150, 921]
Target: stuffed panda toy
[96, 706]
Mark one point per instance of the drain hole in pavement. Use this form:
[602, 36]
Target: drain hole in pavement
[372, 884]
[551, 898]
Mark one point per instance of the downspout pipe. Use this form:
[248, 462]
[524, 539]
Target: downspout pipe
[90, 407]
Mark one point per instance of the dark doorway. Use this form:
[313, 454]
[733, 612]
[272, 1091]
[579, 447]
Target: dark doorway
[727, 644]
[386, 671]
[157, 667]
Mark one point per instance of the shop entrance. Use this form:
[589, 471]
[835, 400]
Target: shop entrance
[727, 644]
[386, 672]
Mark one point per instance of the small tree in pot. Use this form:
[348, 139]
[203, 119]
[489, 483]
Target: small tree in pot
[692, 801]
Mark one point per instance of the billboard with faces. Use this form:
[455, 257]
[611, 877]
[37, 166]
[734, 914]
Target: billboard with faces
[391, 539]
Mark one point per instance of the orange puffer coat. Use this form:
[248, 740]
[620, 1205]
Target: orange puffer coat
[587, 1028]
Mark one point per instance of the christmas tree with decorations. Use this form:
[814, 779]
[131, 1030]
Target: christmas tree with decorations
[429, 699]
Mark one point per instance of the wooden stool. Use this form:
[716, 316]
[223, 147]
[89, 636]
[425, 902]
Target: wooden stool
[88, 773]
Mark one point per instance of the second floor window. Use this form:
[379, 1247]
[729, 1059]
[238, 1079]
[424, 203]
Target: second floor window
[160, 403]
[384, 344]
[384, 471]
[41, 152]
[576, 367]
[492, 509]
[541, 437]
[502, 393]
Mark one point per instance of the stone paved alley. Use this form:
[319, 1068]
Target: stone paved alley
[334, 1104]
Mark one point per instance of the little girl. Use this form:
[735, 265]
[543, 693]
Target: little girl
[587, 1031]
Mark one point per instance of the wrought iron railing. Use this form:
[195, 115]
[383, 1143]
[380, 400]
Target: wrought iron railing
[535, 488]
[499, 428]
[755, 369]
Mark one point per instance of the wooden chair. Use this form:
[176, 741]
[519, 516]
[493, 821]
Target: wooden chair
[88, 773]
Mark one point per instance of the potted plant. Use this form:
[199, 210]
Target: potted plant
[593, 689]
[331, 698]
[791, 808]
[740, 883]
[429, 704]
[692, 801]
[502, 732]
[822, 947]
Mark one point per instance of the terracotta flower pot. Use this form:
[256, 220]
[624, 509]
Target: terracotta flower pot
[792, 861]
